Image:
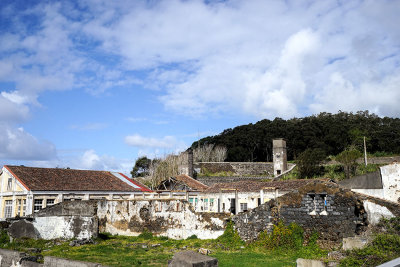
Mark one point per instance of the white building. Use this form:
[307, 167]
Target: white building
[24, 190]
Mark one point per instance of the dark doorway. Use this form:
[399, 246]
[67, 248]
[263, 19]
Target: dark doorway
[233, 206]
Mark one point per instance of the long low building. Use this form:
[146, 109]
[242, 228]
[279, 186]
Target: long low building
[24, 190]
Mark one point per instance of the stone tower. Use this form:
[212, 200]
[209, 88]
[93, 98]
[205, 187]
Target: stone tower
[279, 155]
[190, 162]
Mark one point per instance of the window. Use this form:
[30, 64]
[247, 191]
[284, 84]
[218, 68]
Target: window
[243, 206]
[191, 200]
[8, 209]
[38, 204]
[49, 202]
[211, 202]
[9, 184]
[206, 204]
[18, 211]
[24, 207]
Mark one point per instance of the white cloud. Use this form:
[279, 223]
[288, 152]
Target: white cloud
[167, 142]
[18, 144]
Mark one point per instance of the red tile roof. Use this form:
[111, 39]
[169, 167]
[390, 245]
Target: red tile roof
[255, 186]
[190, 182]
[54, 179]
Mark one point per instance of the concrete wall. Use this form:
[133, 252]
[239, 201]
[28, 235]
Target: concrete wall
[73, 219]
[391, 182]
[171, 218]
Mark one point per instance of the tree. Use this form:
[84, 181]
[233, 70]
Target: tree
[141, 167]
[309, 162]
[209, 153]
[348, 158]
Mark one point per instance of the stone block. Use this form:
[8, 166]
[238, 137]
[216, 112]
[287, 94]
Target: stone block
[59, 262]
[354, 242]
[309, 263]
[192, 259]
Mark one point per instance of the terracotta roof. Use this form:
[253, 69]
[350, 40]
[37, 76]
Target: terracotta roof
[50, 179]
[255, 186]
[190, 182]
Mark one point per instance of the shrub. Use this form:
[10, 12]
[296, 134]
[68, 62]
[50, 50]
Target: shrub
[282, 236]
[4, 238]
[230, 238]
[146, 234]
[192, 237]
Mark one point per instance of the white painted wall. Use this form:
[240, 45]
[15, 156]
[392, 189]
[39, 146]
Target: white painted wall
[52, 227]
[391, 181]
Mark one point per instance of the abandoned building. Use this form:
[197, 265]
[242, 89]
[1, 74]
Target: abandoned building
[385, 183]
[335, 213]
[24, 190]
[241, 196]
[239, 171]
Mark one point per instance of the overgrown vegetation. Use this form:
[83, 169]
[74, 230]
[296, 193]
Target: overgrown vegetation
[281, 247]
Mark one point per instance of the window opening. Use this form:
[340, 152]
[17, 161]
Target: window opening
[8, 209]
[38, 204]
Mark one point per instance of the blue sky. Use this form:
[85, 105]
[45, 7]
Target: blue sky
[96, 84]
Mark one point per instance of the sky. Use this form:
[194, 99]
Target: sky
[96, 84]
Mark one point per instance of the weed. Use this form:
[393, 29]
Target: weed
[230, 238]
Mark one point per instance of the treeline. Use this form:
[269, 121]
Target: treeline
[330, 132]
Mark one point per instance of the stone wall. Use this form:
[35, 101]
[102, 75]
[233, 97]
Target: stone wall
[237, 168]
[172, 218]
[333, 212]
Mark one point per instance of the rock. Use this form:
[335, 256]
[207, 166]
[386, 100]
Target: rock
[204, 251]
[155, 245]
[80, 242]
[190, 258]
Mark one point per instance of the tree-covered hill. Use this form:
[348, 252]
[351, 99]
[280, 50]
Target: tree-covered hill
[330, 132]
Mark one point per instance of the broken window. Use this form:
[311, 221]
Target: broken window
[38, 204]
[206, 204]
[49, 202]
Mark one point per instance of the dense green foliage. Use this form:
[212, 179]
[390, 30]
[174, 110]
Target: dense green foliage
[332, 133]
[309, 162]
[141, 167]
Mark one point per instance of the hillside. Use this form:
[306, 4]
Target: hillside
[330, 132]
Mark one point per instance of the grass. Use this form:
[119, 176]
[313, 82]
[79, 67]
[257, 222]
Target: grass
[138, 251]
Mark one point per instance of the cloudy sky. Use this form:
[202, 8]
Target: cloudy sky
[95, 84]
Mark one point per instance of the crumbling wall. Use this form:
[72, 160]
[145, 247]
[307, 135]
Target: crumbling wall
[66, 220]
[171, 218]
[332, 212]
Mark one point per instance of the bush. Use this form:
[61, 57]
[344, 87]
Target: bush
[146, 235]
[192, 237]
[4, 238]
[230, 238]
[282, 236]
